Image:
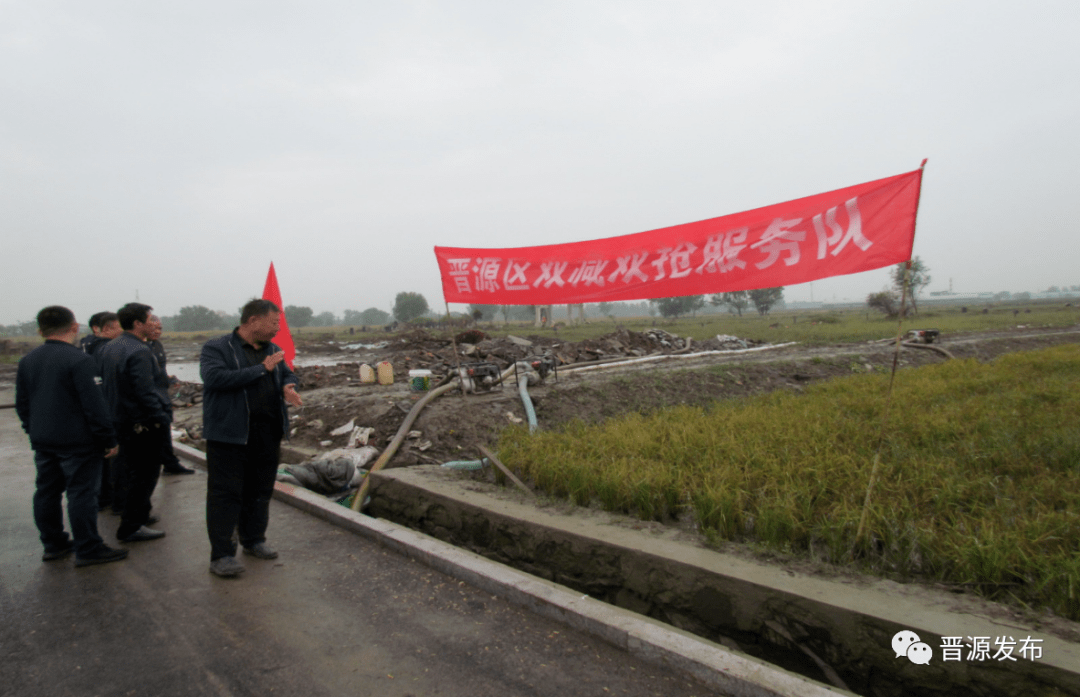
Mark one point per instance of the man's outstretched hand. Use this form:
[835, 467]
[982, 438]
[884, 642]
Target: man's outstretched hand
[291, 396]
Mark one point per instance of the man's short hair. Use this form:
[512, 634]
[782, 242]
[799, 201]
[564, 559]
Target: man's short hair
[131, 313]
[257, 307]
[54, 319]
[100, 319]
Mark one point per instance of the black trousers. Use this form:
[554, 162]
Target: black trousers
[141, 448]
[239, 484]
[78, 474]
[105, 495]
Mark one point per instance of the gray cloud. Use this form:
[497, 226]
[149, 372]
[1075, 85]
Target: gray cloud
[175, 149]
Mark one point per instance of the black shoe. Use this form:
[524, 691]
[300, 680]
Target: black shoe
[178, 469]
[102, 555]
[58, 554]
[143, 534]
[226, 567]
[152, 519]
[261, 551]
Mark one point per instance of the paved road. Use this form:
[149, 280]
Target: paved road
[335, 615]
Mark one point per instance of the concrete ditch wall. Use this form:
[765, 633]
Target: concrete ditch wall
[832, 631]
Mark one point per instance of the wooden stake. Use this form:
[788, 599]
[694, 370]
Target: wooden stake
[495, 461]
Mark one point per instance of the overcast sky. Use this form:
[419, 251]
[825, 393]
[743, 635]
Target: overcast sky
[175, 149]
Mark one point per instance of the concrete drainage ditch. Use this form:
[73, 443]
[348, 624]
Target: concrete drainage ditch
[836, 632]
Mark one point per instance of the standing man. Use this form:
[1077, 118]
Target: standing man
[104, 327]
[170, 463]
[247, 388]
[62, 410]
[139, 415]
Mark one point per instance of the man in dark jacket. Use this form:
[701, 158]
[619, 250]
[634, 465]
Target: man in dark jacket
[170, 463]
[104, 327]
[247, 388]
[61, 408]
[139, 415]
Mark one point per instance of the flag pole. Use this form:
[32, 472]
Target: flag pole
[892, 380]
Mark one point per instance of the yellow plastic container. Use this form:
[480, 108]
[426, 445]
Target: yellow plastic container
[385, 372]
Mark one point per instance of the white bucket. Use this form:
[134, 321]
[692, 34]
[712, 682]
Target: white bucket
[419, 380]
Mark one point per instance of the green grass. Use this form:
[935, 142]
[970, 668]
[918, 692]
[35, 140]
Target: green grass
[979, 482]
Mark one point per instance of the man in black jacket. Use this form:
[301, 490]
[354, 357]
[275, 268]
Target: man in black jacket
[62, 410]
[169, 461]
[139, 415]
[246, 389]
[104, 327]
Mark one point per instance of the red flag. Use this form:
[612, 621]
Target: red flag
[859, 228]
[283, 338]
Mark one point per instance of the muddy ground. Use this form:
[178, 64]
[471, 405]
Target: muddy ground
[453, 425]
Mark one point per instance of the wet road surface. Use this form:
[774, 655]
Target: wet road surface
[334, 615]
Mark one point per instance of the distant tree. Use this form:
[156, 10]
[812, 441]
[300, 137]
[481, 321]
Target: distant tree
[916, 280]
[1024, 295]
[197, 318]
[1003, 295]
[1053, 289]
[298, 316]
[324, 319]
[736, 301]
[886, 301]
[408, 306]
[765, 298]
[372, 315]
[675, 307]
[487, 312]
[19, 329]
[517, 312]
[607, 310]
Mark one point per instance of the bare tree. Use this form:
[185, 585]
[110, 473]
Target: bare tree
[916, 279]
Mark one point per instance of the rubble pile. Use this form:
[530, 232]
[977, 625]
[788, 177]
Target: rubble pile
[185, 394]
[419, 349]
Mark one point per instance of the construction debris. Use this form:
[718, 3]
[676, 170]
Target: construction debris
[419, 349]
[332, 472]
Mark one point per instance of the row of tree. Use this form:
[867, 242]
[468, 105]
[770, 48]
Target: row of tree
[410, 306]
[763, 300]
[195, 318]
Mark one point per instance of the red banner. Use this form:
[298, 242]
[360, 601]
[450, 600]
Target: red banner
[283, 338]
[840, 232]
